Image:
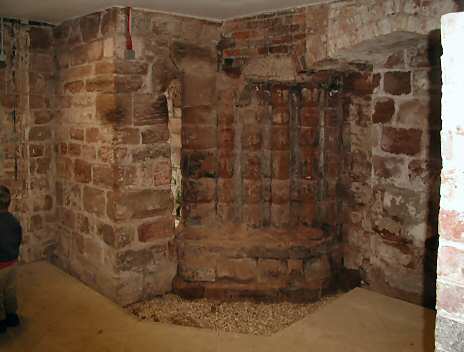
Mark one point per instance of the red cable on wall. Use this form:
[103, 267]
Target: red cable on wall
[129, 29]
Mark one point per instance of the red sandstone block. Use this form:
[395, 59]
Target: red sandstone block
[92, 135]
[226, 163]
[383, 111]
[158, 134]
[198, 115]
[450, 299]
[387, 167]
[36, 150]
[358, 83]
[451, 225]
[198, 137]
[397, 82]
[40, 133]
[201, 191]
[236, 269]
[252, 191]
[82, 171]
[90, 26]
[102, 84]
[272, 271]
[122, 67]
[113, 108]
[279, 96]
[129, 84]
[76, 133]
[280, 191]
[199, 164]
[39, 102]
[225, 190]
[74, 149]
[280, 138]
[401, 140]
[94, 201]
[40, 38]
[128, 135]
[94, 51]
[149, 109]
[252, 166]
[103, 176]
[308, 213]
[139, 204]
[125, 175]
[450, 264]
[310, 116]
[226, 138]
[77, 73]
[163, 172]
[251, 138]
[159, 228]
[280, 215]
[280, 165]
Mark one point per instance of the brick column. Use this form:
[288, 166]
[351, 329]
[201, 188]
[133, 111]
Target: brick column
[450, 284]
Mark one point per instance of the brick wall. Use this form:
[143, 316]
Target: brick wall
[450, 309]
[26, 132]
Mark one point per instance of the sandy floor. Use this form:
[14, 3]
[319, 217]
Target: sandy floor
[246, 317]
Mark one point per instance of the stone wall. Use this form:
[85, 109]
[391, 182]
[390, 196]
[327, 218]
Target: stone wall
[26, 133]
[391, 106]
[396, 176]
[450, 306]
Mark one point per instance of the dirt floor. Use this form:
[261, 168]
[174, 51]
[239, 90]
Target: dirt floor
[246, 317]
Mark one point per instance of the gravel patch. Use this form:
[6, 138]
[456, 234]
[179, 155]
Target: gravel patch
[245, 317]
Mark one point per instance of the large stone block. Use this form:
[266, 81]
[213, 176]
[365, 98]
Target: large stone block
[401, 140]
[139, 204]
[94, 201]
[237, 269]
[397, 83]
[156, 229]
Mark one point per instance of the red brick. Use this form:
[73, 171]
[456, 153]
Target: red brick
[161, 228]
[401, 140]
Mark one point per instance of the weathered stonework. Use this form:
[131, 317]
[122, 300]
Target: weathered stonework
[300, 143]
[450, 308]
